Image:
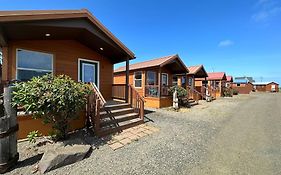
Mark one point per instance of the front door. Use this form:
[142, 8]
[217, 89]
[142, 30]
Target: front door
[88, 71]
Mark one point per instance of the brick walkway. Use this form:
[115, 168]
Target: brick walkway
[127, 136]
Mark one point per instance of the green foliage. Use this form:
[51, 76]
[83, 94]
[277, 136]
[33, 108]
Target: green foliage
[235, 92]
[182, 92]
[32, 136]
[227, 92]
[55, 99]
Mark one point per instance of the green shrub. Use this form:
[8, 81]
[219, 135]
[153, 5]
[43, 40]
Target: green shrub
[227, 92]
[54, 99]
[32, 136]
[182, 92]
[235, 92]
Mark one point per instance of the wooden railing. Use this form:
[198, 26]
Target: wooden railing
[95, 102]
[213, 91]
[136, 101]
[118, 91]
[193, 93]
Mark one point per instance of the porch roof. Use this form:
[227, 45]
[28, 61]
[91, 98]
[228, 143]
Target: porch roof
[216, 76]
[229, 78]
[198, 71]
[78, 25]
[173, 61]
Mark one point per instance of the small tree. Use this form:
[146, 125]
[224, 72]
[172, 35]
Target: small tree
[55, 99]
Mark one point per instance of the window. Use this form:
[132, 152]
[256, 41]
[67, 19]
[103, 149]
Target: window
[175, 80]
[190, 82]
[138, 79]
[183, 81]
[151, 78]
[164, 79]
[238, 84]
[217, 84]
[32, 64]
[88, 71]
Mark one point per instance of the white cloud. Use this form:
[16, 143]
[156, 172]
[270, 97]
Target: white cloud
[266, 10]
[225, 43]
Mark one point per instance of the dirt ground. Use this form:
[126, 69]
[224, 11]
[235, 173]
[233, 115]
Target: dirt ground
[239, 135]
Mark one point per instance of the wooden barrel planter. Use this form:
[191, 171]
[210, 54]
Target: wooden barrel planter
[8, 132]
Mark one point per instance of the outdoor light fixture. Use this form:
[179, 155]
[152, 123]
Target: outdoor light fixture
[47, 34]
[101, 48]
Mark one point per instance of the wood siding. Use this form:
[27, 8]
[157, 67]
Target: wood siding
[243, 88]
[66, 54]
[154, 102]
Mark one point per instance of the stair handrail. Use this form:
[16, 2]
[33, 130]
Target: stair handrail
[192, 89]
[98, 93]
[204, 90]
[94, 103]
[139, 106]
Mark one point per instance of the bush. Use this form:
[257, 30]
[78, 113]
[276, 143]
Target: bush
[227, 92]
[182, 92]
[235, 92]
[55, 99]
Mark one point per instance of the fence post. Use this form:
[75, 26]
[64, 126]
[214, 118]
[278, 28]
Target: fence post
[8, 136]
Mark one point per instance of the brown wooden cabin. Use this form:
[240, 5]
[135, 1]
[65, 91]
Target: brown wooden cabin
[229, 81]
[153, 78]
[266, 86]
[196, 78]
[243, 87]
[74, 43]
[217, 81]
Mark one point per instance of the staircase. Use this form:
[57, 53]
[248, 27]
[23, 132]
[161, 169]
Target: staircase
[117, 117]
[114, 116]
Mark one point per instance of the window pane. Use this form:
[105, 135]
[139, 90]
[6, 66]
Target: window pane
[25, 75]
[138, 75]
[34, 60]
[137, 83]
[164, 79]
[89, 73]
[151, 78]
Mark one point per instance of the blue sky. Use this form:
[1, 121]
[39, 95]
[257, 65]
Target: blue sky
[240, 37]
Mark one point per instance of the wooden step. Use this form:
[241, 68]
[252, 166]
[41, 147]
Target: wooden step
[113, 128]
[116, 112]
[117, 119]
[116, 106]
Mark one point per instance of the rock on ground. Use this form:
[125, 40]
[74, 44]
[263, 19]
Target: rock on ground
[62, 155]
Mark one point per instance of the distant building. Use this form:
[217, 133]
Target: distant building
[266, 86]
[244, 79]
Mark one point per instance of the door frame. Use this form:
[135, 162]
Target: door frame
[89, 61]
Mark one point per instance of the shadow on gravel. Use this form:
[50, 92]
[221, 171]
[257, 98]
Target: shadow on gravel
[27, 162]
[147, 119]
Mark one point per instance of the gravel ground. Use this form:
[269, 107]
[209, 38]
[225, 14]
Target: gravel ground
[189, 141]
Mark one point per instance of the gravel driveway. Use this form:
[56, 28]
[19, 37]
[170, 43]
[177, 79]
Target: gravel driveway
[240, 135]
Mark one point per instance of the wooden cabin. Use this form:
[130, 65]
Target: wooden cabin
[217, 81]
[152, 79]
[229, 81]
[70, 42]
[266, 86]
[197, 78]
[243, 87]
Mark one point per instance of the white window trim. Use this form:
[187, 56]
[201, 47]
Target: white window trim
[167, 84]
[91, 61]
[138, 79]
[43, 70]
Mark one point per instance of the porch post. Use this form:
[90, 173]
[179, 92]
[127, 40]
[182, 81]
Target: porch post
[127, 80]
[5, 63]
[159, 82]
